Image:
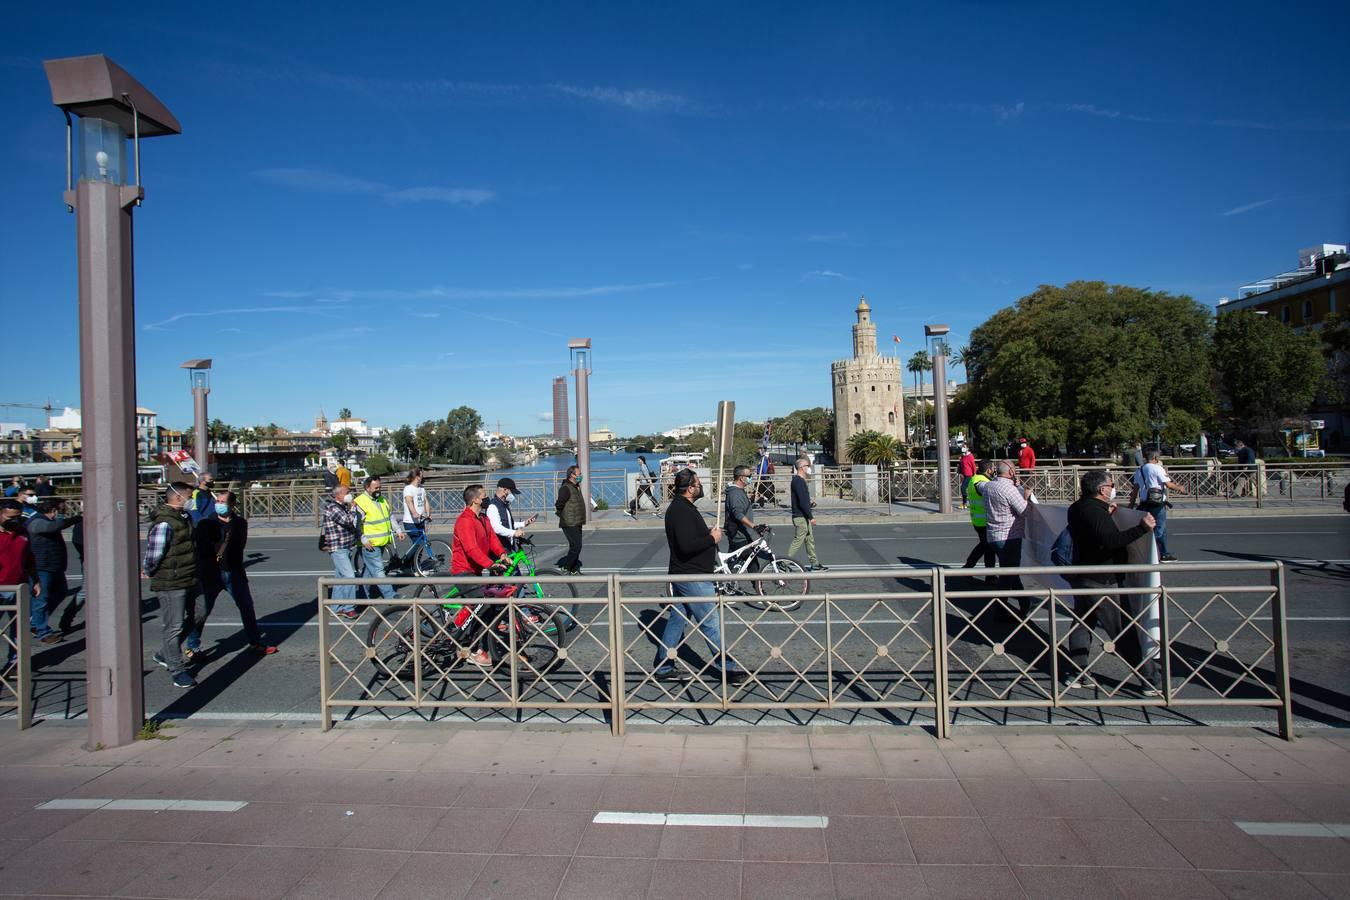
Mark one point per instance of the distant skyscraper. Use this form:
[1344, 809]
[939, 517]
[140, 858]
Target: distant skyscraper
[560, 429]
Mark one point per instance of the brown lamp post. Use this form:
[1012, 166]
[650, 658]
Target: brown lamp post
[199, 379]
[944, 455]
[580, 349]
[103, 184]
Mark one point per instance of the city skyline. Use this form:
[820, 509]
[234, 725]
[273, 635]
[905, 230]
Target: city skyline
[416, 214]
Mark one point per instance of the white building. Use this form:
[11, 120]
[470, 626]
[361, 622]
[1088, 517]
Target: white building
[68, 419]
[684, 431]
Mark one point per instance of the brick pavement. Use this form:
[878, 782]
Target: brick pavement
[474, 811]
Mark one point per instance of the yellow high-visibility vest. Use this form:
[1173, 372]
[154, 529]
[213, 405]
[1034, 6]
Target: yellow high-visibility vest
[376, 527]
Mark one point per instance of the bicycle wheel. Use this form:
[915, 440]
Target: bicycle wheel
[392, 642]
[433, 558]
[556, 594]
[781, 593]
[538, 642]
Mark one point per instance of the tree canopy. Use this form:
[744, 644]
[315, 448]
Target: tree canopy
[1084, 365]
[1267, 371]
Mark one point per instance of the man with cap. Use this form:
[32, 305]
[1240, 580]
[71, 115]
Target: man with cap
[500, 518]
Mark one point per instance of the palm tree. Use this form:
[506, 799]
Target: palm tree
[344, 414]
[919, 363]
[857, 445]
[882, 450]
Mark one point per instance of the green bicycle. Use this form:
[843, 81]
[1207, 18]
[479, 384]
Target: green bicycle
[449, 631]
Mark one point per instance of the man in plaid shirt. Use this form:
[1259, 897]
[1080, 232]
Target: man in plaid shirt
[337, 538]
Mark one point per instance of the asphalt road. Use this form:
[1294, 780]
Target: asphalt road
[235, 684]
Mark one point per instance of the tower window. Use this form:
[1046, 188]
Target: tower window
[890, 418]
[874, 387]
[857, 418]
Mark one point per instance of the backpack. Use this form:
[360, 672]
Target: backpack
[1061, 554]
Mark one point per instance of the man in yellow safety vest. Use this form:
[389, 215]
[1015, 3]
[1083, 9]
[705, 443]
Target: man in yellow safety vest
[377, 531]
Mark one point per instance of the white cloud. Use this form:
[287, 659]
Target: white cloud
[636, 100]
[537, 293]
[826, 273]
[237, 311]
[326, 182]
[1247, 207]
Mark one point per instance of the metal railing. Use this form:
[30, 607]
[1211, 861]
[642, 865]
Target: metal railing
[940, 642]
[16, 668]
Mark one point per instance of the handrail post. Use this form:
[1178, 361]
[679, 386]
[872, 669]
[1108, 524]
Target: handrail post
[942, 723]
[24, 661]
[617, 683]
[1281, 636]
[1260, 481]
[325, 712]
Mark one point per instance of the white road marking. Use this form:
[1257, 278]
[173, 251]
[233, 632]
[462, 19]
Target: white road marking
[146, 805]
[710, 821]
[1295, 829]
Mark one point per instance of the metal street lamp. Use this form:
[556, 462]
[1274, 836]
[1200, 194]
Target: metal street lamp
[199, 379]
[112, 108]
[940, 415]
[1157, 421]
[580, 350]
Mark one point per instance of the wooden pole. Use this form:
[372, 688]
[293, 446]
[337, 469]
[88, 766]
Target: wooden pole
[726, 427]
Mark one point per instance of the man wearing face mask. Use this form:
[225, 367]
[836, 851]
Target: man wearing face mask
[803, 516]
[473, 551]
[378, 527]
[220, 544]
[500, 517]
[49, 549]
[1098, 541]
[571, 509]
[203, 502]
[28, 501]
[170, 563]
[338, 536]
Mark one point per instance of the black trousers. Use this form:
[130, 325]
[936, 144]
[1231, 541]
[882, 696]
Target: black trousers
[981, 549]
[1110, 617]
[573, 558]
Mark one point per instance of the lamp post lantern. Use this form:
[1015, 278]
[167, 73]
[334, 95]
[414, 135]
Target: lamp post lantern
[103, 184]
[199, 379]
[940, 415]
[580, 349]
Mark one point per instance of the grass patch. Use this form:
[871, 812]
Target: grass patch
[153, 730]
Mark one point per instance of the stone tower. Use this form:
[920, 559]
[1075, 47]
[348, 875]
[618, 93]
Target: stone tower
[867, 394]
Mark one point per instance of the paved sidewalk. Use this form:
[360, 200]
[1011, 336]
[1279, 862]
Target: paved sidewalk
[463, 811]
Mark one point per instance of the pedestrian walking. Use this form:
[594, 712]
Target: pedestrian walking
[221, 540]
[1246, 469]
[27, 498]
[501, 519]
[203, 502]
[1026, 457]
[978, 517]
[803, 516]
[344, 474]
[571, 509]
[968, 469]
[416, 509]
[338, 536]
[1149, 491]
[377, 532]
[693, 551]
[1099, 541]
[644, 489]
[43, 488]
[17, 566]
[330, 479]
[51, 557]
[170, 562]
[1006, 503]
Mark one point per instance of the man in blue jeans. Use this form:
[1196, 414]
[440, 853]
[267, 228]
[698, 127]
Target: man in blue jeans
[1005, 504]
[337, 537]
[1149, 489]
[221, 540]
[49, 549]
[693, 551]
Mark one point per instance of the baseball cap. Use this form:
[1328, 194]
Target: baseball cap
[508, 484]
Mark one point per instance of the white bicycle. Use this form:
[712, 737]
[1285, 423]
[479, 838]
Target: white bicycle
[779, 593]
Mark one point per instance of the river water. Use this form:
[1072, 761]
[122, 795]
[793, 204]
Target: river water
[600, 462]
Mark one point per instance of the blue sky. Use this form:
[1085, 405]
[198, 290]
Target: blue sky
[402, 212]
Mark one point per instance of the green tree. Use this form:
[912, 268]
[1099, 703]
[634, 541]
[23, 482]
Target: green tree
[1335, 334]
[459, 436]
[404, 441]
[1268, 371]
[378, 464]
[856, 447]
[341, 441]
[344, 414]
[1083, 364]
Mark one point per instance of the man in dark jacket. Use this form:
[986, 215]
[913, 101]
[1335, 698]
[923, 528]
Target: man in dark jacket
[571, 510]
[1098, 541]
[740, 526]
[221, 540]
[693, 551]
[803, 516]
[49, 551]
[170, 563]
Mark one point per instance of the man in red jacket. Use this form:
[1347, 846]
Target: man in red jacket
[17, 565]
[473, 551]
[1026, 457]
